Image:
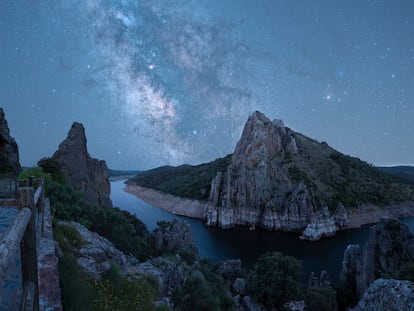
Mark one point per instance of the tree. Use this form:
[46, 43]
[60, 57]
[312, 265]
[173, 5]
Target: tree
[274, 279]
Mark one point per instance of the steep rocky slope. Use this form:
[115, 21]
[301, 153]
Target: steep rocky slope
[9, 152]
[389, 249]
[83, 173]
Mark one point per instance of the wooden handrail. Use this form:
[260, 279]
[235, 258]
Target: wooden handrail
[38, 194]
[10, 242]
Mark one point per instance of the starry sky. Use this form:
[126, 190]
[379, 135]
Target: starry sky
[160, 82]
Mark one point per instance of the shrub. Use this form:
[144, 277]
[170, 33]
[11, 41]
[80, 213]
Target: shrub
[274, 279]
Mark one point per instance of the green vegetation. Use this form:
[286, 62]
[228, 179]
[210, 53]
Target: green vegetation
[403, 172]
[406, 272]
[336, 178]
[320, 299]
[67, 237]
[113, 292]
[274, 280]
[127, 232]
[184, 181]
[203, 290]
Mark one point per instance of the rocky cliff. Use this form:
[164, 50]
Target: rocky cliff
[84, 173]
[9, 153]
[270, 183]
[390, 247]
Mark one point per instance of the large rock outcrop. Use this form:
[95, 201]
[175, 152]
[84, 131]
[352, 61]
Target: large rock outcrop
[390, 247]
[253, 190]
[95, 255]
[9, 152]
[388, 294]
[86, 174]
[262, 187]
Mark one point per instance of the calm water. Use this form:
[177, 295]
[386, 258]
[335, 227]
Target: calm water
[216, 244]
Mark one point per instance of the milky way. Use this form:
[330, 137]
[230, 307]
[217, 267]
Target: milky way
[172, 82]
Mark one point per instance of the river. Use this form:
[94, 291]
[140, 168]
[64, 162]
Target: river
[217, 244]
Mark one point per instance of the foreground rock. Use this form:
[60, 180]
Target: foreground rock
[9, 152]
[388, 295]
[83, 173]
[95, 254]
[390, 247]
[174, 237]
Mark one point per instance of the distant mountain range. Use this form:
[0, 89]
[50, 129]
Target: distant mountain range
[404, 172]
[117, 173]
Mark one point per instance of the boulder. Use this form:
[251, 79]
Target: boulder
[321, 225]
[95, 254]
[387, 294]
[239, 286]
[174, 237]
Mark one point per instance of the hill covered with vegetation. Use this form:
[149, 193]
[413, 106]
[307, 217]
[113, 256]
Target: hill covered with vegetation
[185, 181]
[403, 172]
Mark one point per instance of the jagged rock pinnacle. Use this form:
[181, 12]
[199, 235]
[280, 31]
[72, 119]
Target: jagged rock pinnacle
[84, 173]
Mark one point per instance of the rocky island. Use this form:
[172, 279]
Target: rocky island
[279, 179]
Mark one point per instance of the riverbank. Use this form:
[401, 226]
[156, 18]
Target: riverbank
[369, 214]
[168, 202]
[363, 215]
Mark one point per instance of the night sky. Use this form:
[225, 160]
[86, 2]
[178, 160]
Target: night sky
[170, 82]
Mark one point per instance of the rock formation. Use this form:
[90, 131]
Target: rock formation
[389, 248]
[388, 294]
[9, 153]
[322, 224]
[173, 237]
[263, 185]
[84, 173]
[95, 255]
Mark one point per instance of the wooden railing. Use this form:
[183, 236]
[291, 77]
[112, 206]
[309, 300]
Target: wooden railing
[23, 233]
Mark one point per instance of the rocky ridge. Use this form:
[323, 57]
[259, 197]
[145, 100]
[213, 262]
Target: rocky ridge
[84, 173]
[390, 247]
[9, 152]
